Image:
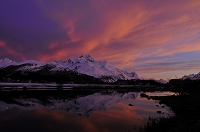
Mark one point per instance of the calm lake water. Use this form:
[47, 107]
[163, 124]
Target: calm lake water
[62, 111]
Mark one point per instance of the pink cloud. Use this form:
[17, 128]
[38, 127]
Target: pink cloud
[8, 50]
[119, 31]
[53, 45]
[2, 44]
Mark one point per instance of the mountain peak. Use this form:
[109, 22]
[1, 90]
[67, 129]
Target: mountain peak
[192, 76]
[87, 57]
[6, 60]
[85, 64]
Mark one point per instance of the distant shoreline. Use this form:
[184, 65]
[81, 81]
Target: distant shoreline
[51, 86]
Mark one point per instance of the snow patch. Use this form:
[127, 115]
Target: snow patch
[6, 62]
[192, 76]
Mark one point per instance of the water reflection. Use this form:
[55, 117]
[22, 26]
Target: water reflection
[107, 111]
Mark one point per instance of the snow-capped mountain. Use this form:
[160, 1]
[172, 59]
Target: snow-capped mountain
[162, 81]
[84, 106]
[6, 62]
[31, 65]
[85, 64]
[192, 77]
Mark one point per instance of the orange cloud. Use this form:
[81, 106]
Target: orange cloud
[10, 51]
[54, 56]
[133, 22]
[53, 45]
[121, 31]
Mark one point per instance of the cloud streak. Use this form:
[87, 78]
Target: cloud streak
[121, 32]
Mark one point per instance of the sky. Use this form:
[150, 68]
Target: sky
[154, 38]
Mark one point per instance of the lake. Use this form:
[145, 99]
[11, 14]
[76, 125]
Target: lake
[78, 110]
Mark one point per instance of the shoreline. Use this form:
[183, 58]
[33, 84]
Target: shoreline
[187, 114]
[49, 86]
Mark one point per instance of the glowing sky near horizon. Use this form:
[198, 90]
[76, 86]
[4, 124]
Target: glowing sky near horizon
[154, 38]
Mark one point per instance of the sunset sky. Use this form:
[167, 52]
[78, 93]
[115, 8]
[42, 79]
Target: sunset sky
[154, 38]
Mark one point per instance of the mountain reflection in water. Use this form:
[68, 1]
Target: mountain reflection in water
[70, 111]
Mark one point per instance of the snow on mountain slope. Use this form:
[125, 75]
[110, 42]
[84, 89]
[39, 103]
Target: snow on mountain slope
[85, 64]
[161, 81]
[192, 77]
[29, 65]
[6, 62]
[32, 65]
[36, 66]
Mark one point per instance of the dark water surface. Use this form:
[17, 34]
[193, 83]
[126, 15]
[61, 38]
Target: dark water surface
[62, 111]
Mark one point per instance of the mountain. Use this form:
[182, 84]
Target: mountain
[6, 62]
[42, 72]
[85, 64]
[32, 65]
[191, 77]
[162, 81]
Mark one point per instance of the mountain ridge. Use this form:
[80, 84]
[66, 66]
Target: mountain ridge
[191, 77]
[84, 64]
